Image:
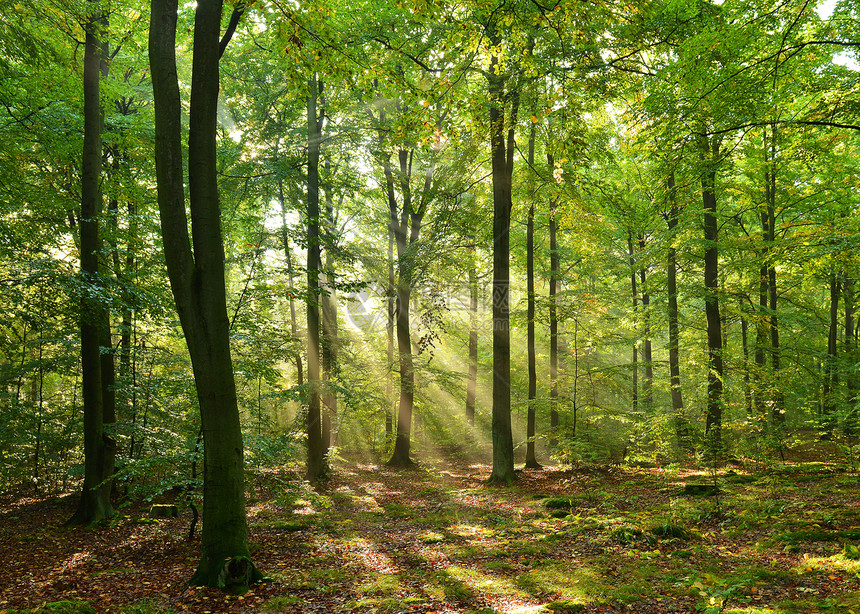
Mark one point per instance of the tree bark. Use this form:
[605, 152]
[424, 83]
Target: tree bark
[831, 371]
[778, 397]
[849, 353]
[714, 419]
[315, 462]
[554, 266]
[682, 427]
[531, 460]
[329, 328]
[501, 145]
[648, 384]
[762, 324]
[391, 308]
[472, 377]
[402, 291]
[634, 362]
[99, 448]
[197, 282]
[748, 397]
[407, 230]
[288, 254]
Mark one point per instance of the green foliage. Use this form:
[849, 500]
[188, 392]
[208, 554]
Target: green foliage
[626, 536]
[817, 535]
[565, 606]
[670, 531]
[147, 606]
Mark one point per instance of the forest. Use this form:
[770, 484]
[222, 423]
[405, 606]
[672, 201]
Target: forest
[429, 305]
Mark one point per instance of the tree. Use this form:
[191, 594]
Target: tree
[96, 368]
[315, 464]
[405, 222]
[197, 280]
[531, 460]
[504, 106]
[681, 427]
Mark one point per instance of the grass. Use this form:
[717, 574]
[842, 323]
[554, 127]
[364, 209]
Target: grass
[817, 535]
[282, 603]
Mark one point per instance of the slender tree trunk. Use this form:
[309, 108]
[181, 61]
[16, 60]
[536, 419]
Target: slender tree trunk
[407, 231]
[198, 283]
[849, 353]
[531, 460]
[682, 427]
[714, 420]
[391, 299]
[330, 347]
[648, 384]
[472, 377]
[831, 371]
[554, 266]
[403, 289]
[502, 169]
[315, 465]
[778, 408]
[99, 447]
[748, 397]
[635, 293]
[39, 394]
[123, 271]
[288, 254]
[762, 325]
[330, 329]
[402, 445]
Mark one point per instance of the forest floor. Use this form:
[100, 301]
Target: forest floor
[437, 539]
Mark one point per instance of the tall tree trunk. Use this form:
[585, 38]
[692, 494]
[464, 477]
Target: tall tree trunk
[501, 145]
[714, 419]
[99, 447]
[634, 363]
[123, 271]
[778, 398]
[648, 384]
[391, 300]
[472, 377]
[831, 371]
[403, 289]
[682, 427]
[554, 266]
[315, 464]
[407, 231]
[400, 456]
[762, 325]
[198, 283]
[330, 328]
[849, 353]
[748, 397]
[330, 347]
[531, 461]
[288, 254]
